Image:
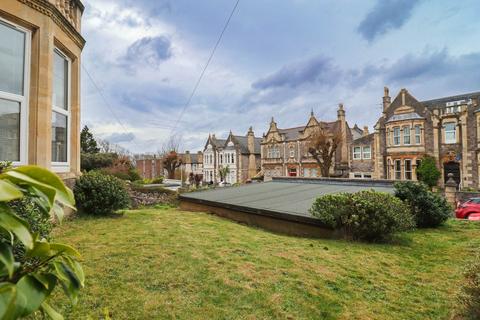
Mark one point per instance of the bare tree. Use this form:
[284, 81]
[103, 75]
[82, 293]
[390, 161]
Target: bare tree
[322, 146]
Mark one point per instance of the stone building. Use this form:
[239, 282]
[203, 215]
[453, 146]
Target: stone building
[241, 154]
[40, 48]
[447, 129]
[285, 151]
[362, 155]
[192, 163]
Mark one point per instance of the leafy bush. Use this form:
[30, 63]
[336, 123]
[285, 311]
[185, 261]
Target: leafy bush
[26, 284]
[469, 296]
[429, 209]
[428, 172]
[100, 194]
[365, 215]
[27, 209]
[94, 161]
[157, 180]
[122, 168]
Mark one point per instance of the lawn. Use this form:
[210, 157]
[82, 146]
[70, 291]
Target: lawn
[155, 264]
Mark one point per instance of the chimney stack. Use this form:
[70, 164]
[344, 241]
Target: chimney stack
[365, 131]
[386, 99]
[341, 112]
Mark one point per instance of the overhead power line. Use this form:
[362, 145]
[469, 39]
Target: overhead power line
[205, 67]
[100, 92]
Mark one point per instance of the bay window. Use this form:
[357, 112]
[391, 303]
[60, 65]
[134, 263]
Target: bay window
[396, 136]
[406, 135]
[60, 110]
[418, 134]
[14, 68]
[450, 132]
[398, 170]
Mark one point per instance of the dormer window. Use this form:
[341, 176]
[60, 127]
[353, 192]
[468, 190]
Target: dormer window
[450, 132]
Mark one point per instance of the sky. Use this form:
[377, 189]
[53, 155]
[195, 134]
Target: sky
[277, 58]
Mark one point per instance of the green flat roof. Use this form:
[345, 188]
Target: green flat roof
[286, 195]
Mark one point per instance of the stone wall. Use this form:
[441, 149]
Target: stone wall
[142, 196]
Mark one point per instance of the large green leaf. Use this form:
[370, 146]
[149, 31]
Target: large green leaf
[6, 258]
[48, 310]
[20, 178]
[69, 280]
[46, 177]
[63, 248]
[31, 293]
[7, 301]
[41, 249]
[9, 191]
[15, 225]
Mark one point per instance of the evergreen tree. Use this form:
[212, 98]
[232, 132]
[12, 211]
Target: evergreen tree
[428, 172]
[87, 142]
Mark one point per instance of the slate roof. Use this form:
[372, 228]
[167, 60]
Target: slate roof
[294, 133]
[404, 116]
[368, 139]
[243, 143]
[442, 101]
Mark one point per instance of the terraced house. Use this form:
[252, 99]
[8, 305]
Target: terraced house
[447, 129]
[40, 48]
[241, 154]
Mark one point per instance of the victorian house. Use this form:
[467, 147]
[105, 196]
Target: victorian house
[40, 48]
[447, 129]
[241, 154]
[285, 151]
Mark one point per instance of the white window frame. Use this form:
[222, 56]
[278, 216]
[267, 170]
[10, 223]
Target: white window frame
[418, 135]
[454, 133]
[64, 166]
[367, 155]
[292, 152]
[406, 136]
[396, 136]
[23, 100]
[405, 171]
[357, 155]
[395, 171]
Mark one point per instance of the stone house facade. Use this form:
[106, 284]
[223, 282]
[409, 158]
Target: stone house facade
[40, 49]
[241, 154]
[151, 166]
[285, 151]
[447, 129]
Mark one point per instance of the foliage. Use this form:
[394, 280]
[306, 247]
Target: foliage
[5, 165]
[428, 172]
[429, 209]
[171, 161]
[87, 142]
[26, 284]
[365, 215]
[322, 146]
[94, 161]
[223, 172]
[100, 194]
[40, 223]
[469, 295]
[122, 168]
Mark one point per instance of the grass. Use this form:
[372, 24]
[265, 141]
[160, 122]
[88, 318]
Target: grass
[164, 263]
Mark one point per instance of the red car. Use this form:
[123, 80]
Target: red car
[470, 209]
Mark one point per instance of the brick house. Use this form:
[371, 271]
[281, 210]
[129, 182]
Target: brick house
[240, 153]
[40, 49]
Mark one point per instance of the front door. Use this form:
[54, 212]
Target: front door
[453, 168]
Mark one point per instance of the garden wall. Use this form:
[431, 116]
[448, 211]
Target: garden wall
[148, 196]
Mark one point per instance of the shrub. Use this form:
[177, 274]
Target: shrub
[157, 180]
[122, 168]
[428, 209]
[99, 194]
[469, 296]
[365, 215]
[95, 161]
[27, 209]
[428, 172]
